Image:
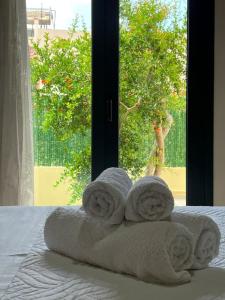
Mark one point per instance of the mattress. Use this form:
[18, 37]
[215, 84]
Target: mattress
[42, 274]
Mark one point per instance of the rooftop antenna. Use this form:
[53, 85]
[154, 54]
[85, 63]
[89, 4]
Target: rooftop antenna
[53, 15]
[54, 19]
[41, 12]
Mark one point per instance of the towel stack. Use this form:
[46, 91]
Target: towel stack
[133, 230]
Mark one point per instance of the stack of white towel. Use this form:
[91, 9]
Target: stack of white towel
[132, 229]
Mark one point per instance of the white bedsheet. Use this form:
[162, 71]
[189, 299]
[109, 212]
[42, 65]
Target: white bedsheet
[18, 230]
[46, 275]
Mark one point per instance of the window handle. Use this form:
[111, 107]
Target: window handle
[109, 110]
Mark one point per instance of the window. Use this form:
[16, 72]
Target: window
[111, 91]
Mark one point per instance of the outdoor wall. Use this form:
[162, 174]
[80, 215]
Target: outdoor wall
[219, 105]
[47, 194]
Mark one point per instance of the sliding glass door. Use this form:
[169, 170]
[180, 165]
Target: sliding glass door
[153, 59]
[122, 83]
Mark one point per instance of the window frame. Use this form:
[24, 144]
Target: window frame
[105, 85]
[200, 102]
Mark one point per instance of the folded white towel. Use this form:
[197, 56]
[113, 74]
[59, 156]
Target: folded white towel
[149, 199]
[206, 237]
[152, 251]
[105, 197]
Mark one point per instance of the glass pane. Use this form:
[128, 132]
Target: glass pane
[60, 57]
[153, 40]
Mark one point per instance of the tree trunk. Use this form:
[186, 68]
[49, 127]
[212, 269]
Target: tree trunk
[157, 156]
[159, 159]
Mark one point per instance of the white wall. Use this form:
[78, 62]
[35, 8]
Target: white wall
[219, 106]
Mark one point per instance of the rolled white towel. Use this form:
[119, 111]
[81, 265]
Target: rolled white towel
[105, 197]
[152, 251]
[206, 237]
[149, 199]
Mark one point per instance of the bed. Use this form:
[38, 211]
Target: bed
[29, 271]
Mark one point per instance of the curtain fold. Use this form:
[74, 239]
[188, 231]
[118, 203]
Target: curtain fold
[16, 152]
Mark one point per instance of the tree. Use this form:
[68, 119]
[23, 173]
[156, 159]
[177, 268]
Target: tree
[152, 85]
[153, 42]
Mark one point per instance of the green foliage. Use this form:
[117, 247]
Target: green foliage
[152, 83]
[63, 67]
[152, 72]
[61, 76]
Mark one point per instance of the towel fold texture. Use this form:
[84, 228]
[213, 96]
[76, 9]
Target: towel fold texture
[206, 236]
[105, 197]
[152, 251]
[149, 199]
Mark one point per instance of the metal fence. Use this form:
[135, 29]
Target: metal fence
[49, 151]
[175, 143]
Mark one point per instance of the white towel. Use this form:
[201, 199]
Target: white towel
[152, 251]
[149, 199]
[206, 237]
[105, 197]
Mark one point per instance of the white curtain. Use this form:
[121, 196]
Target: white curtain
[16, 153]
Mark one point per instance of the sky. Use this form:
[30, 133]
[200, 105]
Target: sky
[66, 10]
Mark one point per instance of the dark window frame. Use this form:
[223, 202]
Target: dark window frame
[200, 102]
[200, 94]
[105, 85]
